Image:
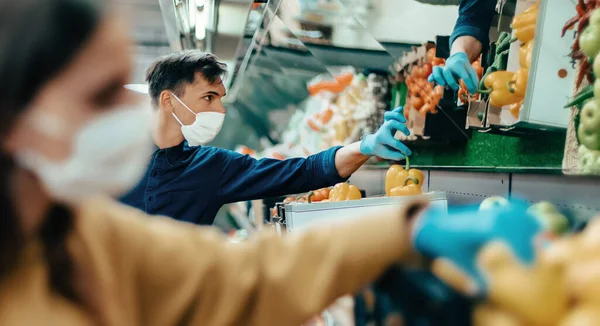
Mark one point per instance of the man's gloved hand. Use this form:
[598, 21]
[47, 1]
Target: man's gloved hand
[395, 114]
[455, 239]
[382, 143]
[457, 67]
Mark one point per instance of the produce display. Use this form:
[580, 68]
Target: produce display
[403, 181]
[586, 50]
[423, 96]
[507, 88]
[562, 286]
[340, 192]
[498, 59]
[344, 191]
[342, 108]
[585, 44]
[560, 289]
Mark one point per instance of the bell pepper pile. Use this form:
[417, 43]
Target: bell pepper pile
[504, 87]
[562, 287]
[497, 58]
[423, 96]
[344, 191]
[316, 196]
[524, 29]
[321, 195]
[340, 192]
[403, 181]
[523, 24]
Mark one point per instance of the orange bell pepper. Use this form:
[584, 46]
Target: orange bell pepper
[344, 191]
[318, 195]
[398, 176]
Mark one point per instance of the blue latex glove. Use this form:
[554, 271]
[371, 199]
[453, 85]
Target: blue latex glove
[396, 114]
[457, 67]
[459, 235]
[382, 143]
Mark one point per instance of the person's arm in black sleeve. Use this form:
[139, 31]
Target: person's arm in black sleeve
[471, 32]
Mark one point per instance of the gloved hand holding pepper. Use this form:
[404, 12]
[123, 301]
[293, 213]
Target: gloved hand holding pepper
[456, 238]
[382, 143]
[457, 67]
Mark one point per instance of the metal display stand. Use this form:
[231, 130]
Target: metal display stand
[300, 216]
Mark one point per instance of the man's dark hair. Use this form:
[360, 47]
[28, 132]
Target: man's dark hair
[172, 72]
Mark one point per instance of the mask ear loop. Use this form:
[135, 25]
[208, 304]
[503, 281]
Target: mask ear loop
[184, 105]
[176, 118]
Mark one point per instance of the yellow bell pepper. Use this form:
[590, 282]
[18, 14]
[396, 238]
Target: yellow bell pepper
[518, 84]
[344, 191]
[397, 175]
[524, 23]
[496, 85]
[525, 55]
[407, 189]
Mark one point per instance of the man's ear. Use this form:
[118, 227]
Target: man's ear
[165, 102]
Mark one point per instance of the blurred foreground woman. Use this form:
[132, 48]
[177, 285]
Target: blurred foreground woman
[69, 132]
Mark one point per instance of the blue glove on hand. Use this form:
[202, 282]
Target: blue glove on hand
[457, 67]
[459, 235]
[382, 143]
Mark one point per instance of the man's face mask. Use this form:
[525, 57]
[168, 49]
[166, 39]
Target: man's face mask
[204, 129]
[109, 155]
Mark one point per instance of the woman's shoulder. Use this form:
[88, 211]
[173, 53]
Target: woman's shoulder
[106, 219]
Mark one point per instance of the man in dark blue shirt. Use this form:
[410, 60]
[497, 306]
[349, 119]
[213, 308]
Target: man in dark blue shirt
[470, 36]
[190, 182]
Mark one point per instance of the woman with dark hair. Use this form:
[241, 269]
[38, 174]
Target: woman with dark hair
[68, 132]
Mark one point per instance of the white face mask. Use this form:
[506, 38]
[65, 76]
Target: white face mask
[204, 129]
[109, 156]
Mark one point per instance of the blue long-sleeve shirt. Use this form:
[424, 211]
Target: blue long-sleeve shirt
[474, 19]
[192, 183]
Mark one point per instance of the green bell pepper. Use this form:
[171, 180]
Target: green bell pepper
[589, 125]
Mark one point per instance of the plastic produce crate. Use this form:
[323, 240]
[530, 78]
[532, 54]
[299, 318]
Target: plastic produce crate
[299, 216]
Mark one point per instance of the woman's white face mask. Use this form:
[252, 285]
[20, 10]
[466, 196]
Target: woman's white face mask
[109, 155]
[204, 129]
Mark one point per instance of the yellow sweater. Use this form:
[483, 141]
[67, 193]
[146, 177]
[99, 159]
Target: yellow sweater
[148, 271]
